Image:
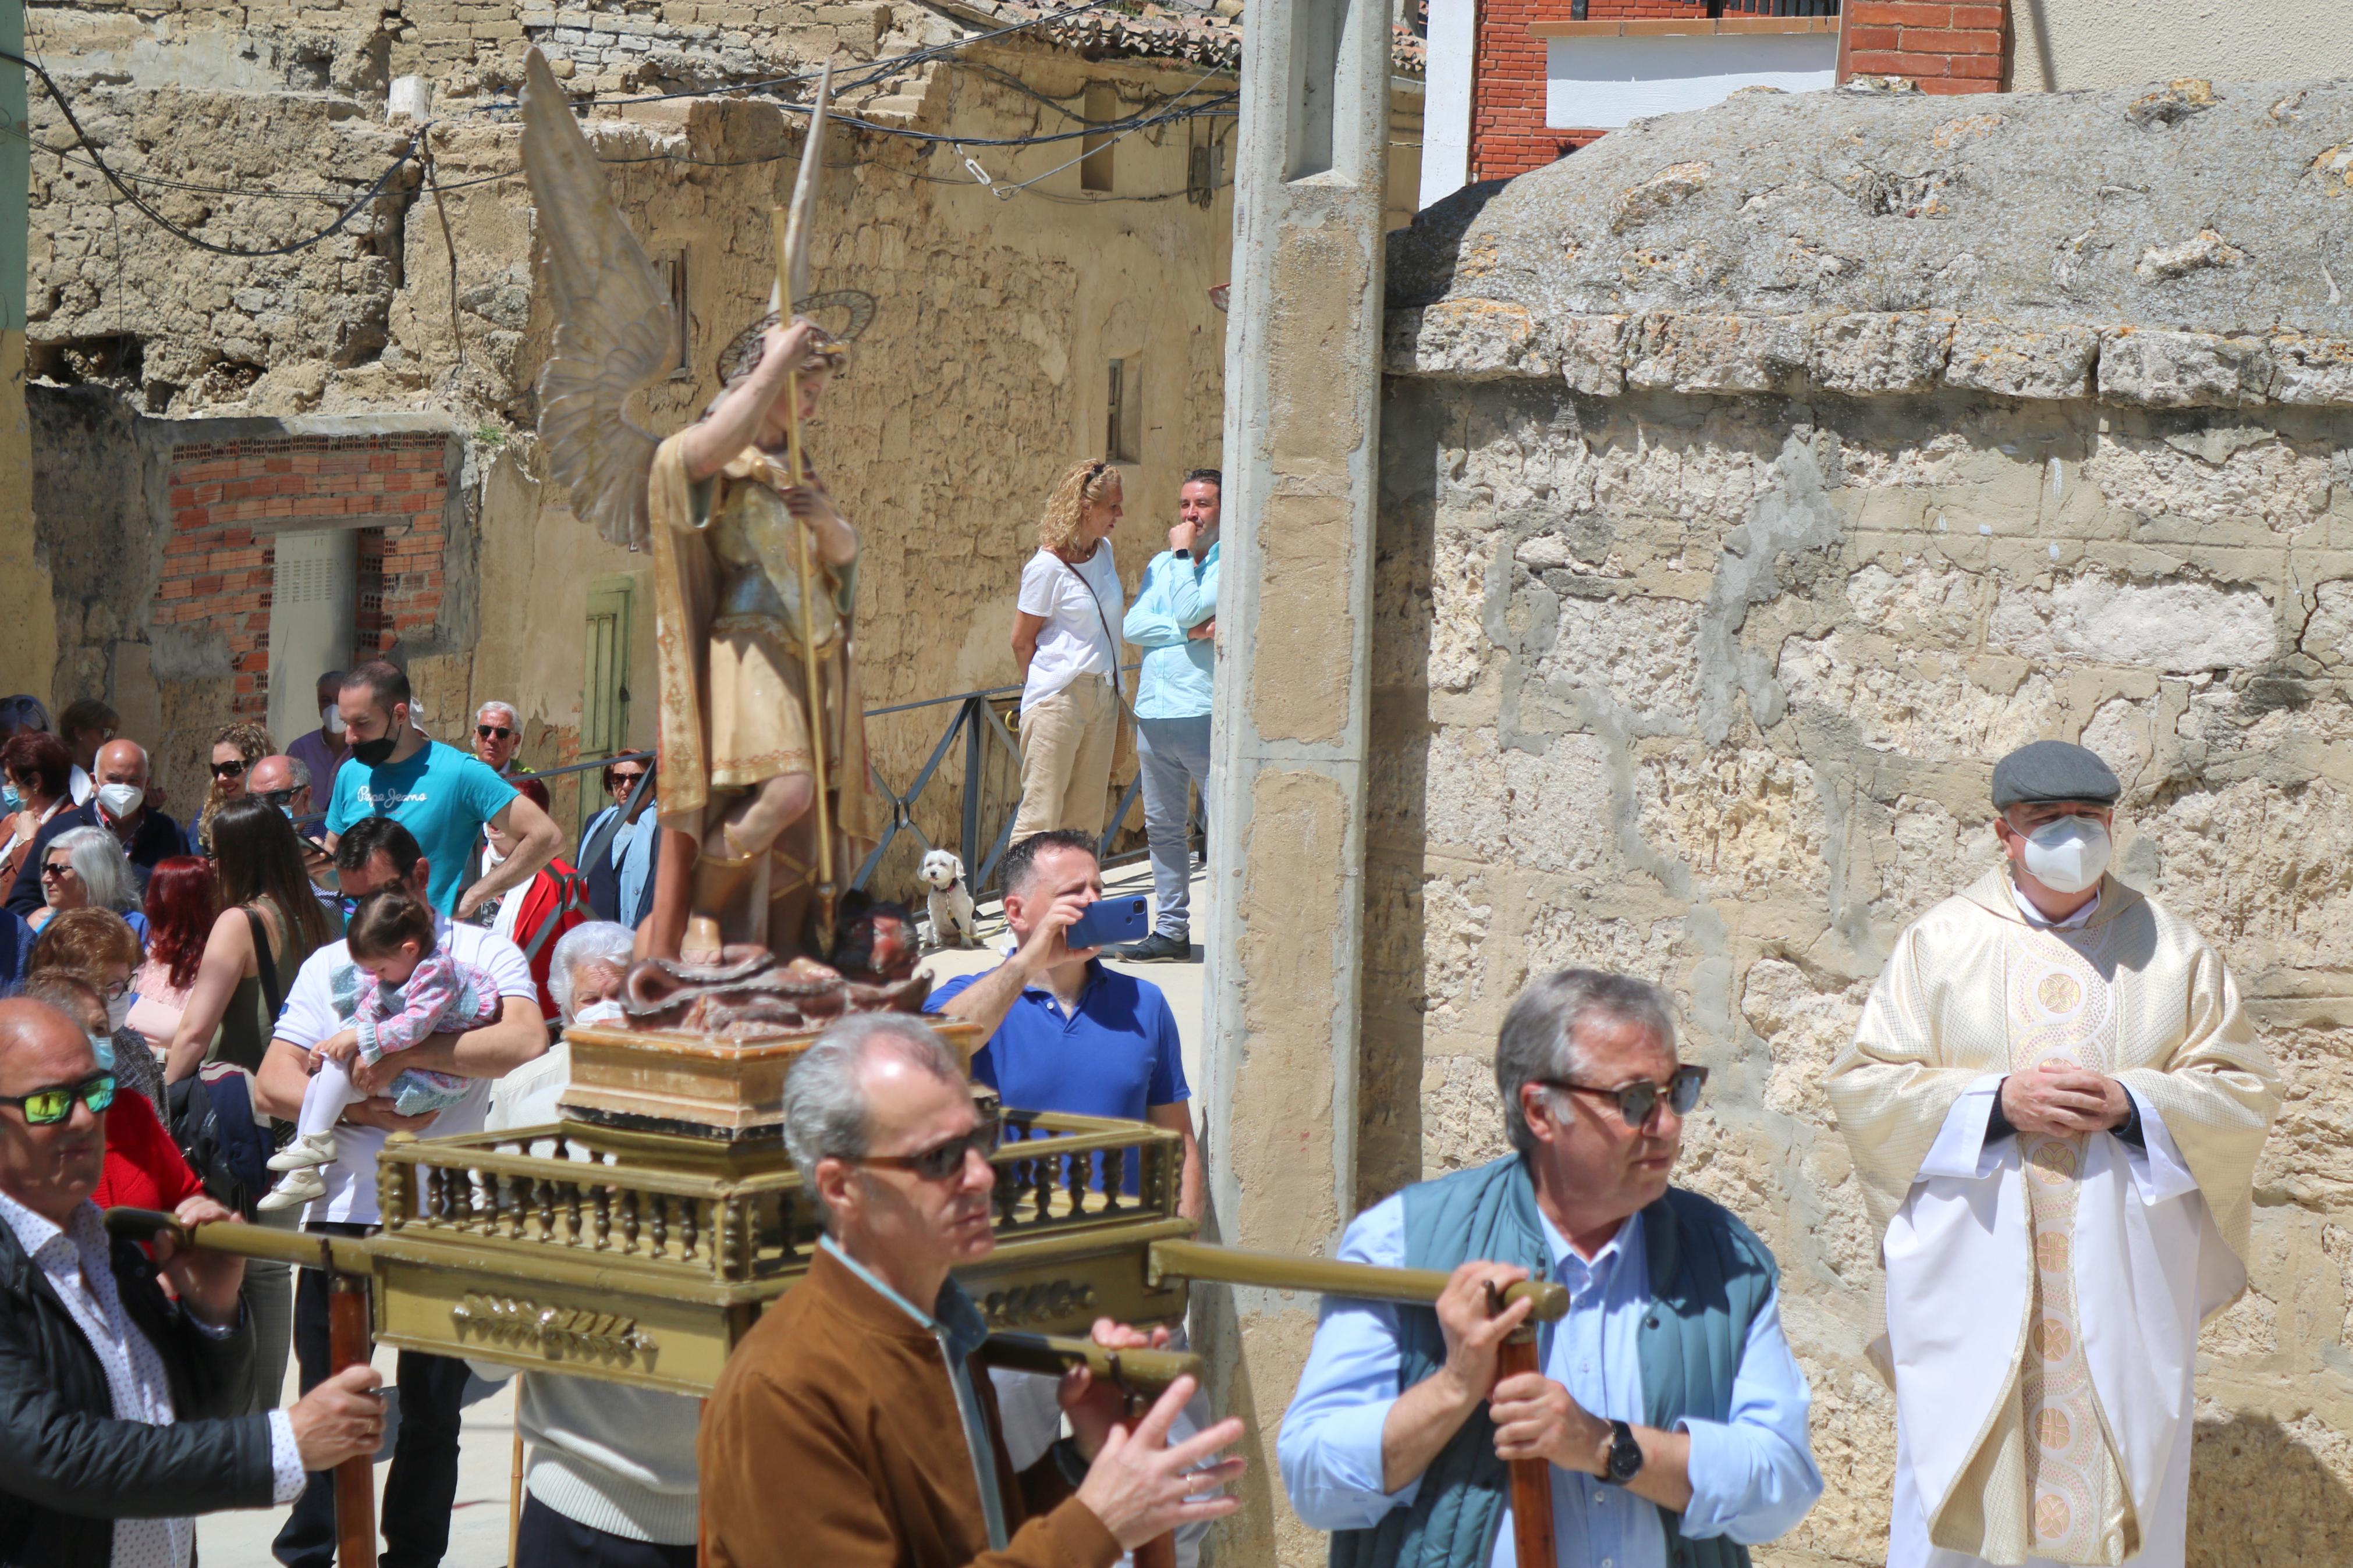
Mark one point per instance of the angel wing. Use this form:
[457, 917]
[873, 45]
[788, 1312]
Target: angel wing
[614, 328]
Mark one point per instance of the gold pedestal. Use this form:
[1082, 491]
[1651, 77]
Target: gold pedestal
[699, 1086]
[644, 1257]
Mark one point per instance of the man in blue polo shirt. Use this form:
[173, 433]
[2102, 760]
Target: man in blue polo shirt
[1068, 1034]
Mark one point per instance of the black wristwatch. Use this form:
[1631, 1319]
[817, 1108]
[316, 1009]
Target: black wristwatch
[1625, 1455]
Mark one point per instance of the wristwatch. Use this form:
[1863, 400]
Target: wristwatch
[1625, 1455]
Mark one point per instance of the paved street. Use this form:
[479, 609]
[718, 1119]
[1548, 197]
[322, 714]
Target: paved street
[477, 1529]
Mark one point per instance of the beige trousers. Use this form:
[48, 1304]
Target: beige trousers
[1066, 754]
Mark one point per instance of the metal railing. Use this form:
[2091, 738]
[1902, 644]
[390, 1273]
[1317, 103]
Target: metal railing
[977, 721]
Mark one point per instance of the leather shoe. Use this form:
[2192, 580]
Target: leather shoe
[1156, 949]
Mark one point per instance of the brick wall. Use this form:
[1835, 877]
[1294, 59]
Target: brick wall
[227, 501]
[1508, 134]
[1945, 48]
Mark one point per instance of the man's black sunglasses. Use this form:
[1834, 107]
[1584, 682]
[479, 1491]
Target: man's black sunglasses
[942, 1161]
[276, 796]
[1636, 1102]
[487, 731]
[46, 1107]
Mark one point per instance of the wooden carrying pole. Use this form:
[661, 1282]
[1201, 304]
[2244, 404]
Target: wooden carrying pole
[348, 1344]
[1531, 1478]
[792, 232]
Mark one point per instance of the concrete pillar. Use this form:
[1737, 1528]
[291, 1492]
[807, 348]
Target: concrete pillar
[1303, 384]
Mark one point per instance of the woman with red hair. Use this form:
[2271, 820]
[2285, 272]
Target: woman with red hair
[182, 900]
[35, 771]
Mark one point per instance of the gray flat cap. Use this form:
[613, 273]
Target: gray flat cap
[2053, 770]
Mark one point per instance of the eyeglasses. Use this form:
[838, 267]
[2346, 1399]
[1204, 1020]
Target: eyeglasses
[47, 1107]
[275, 797]
[1636, 1101]
[487, 731]
[50, 869]
[942, 1161]
[229, 770]
[626, 780]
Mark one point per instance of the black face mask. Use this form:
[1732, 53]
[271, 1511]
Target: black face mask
[374, 752]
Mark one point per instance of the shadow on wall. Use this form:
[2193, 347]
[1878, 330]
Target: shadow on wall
[2260, 1497]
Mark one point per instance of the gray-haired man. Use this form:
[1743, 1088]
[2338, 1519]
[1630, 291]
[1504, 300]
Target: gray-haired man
[859, 1385]
[1670, 1408]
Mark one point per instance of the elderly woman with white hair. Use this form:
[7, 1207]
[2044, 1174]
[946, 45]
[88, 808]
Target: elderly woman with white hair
[84, 867]
[609, 1477]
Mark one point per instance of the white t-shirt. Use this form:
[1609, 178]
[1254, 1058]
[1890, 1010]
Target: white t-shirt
[1073, 641]
[325, 994]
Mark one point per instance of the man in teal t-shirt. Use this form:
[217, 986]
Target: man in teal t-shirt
[439, 794]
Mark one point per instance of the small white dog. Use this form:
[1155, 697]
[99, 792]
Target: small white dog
[948, 901]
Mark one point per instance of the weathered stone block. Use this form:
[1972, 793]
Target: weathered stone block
[1679, 351]
[1593, 354]
[2312, 371]
[2179, 625]
[2021, 362]
[1468, 339]
[1894, 352]
[2159, 368]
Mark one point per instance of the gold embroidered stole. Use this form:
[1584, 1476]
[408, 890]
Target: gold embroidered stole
[2061, 1009]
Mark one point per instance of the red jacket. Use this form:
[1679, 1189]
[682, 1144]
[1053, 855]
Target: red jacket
[557, 900]
[143, 1167]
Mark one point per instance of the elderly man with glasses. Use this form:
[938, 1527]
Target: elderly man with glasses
[498, 736]
[1668, 1406]
[851, 1428]
[117, 1401]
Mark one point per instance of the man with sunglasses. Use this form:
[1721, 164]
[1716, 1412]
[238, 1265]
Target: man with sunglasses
[850, 1429]
[2054, 1104]
[497, 737]
[115, 1400]
[1669, 1407]
[121, 807]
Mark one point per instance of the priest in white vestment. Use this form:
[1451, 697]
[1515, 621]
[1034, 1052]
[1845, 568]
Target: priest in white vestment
[2054, 1103]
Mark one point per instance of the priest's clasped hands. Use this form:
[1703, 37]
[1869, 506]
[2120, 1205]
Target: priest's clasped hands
[2062, 1100]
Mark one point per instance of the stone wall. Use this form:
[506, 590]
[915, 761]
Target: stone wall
[1754, 480]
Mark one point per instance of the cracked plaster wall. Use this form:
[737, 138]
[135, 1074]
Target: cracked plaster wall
[1701, 674]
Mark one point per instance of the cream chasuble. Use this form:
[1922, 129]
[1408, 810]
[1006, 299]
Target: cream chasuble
[2043, 1295]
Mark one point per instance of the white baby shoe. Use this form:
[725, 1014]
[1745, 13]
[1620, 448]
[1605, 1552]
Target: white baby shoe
[293, 1187]
[305, 1152]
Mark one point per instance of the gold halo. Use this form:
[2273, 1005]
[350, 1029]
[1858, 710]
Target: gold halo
[839, 315]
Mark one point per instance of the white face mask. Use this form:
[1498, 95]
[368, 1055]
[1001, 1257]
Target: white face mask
[119, 800]
[2069, 855]
[331, 721]
[606, 1011]
[117, 1011]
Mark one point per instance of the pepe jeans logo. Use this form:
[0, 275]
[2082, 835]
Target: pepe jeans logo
[558, 1331]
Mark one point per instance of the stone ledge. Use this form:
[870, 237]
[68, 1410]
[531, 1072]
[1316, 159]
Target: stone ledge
[1865, 354]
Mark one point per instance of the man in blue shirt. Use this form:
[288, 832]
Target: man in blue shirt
[1069, 1034]
[1669, 1409]
[1174, 620]
[439, 794]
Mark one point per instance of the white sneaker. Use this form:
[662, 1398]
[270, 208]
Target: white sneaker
[294, 1187]
[310, 1150]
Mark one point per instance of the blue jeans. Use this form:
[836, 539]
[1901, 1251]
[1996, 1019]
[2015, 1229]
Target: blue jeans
[1170, 753]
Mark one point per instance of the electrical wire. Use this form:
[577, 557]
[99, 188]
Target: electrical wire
[375, 189]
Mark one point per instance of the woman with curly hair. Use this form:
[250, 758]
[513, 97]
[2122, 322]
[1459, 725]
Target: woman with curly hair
[97, 947]
[1069, 657]
[180, 903]
[236, 748]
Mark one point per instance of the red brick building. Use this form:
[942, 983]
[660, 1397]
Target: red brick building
[1657, 56]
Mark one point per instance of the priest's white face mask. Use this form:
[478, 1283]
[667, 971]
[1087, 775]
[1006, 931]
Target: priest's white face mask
[2066, 846]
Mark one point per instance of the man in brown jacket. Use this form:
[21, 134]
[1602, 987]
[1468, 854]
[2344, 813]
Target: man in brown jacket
[850, 1429]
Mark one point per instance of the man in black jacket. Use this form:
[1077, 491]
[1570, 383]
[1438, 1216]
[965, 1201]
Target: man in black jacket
[121, 807]
[116, 1403]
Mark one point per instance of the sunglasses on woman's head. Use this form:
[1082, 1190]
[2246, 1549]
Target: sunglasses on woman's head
[228, 770]
[944, 1160]
[47, 1107]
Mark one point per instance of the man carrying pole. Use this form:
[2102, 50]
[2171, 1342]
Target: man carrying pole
[1669, 1417]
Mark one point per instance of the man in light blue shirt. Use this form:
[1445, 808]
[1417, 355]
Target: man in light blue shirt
[1174, 620]
[1669, 1407]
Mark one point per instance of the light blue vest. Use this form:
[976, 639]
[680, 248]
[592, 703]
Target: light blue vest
[1710, 1275]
